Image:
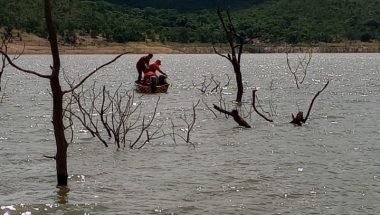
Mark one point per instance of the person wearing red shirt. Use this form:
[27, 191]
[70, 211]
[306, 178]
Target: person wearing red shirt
[142, 65]
[152, 71]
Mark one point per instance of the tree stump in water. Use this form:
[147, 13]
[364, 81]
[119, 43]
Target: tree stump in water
[298, 120]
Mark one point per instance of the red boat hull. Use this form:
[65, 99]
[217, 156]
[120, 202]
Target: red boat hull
[146, 89]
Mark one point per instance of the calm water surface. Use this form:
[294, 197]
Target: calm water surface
[329, 166]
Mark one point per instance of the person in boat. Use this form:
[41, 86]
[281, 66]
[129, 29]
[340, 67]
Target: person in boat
[142, 65]
[151, 73]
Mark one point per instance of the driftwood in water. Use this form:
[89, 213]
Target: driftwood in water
[235, 115]
[299, 119]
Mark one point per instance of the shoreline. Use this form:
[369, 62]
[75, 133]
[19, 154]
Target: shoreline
[155, 48]
[29, 44]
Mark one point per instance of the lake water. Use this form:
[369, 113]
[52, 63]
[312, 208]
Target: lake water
[331, 165]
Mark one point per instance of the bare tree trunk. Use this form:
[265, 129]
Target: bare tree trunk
[234, 57]
[59, 128]
[59, 133]
[239, 81]
[57, 93]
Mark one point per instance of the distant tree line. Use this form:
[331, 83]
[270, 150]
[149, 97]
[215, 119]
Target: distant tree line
[188, 5]
[271, 21]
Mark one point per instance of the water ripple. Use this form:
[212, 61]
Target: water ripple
[328, 166]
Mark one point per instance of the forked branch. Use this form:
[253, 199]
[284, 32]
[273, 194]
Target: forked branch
[10, 61]
[93, 72]
[299, 119]
[301, 67]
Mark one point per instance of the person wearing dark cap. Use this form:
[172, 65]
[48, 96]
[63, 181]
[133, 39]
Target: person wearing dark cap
[142, 65]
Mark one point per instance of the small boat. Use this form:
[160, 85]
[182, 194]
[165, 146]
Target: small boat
[150, 89]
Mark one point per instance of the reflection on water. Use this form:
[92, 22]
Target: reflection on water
[62, 195]
[328, 166]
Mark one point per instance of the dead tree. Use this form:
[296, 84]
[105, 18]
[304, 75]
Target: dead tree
[189, 126]
[299, 72]
[57, 94]
[111, 117]
[299, 118]
[236, 42]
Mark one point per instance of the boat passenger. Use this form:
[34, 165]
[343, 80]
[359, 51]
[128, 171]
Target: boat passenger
[152, 72]
[142, 65]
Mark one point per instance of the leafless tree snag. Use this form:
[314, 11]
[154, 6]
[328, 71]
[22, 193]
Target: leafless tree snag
[236, 43]
[254, 107]
[57, 94]
[3, 95]
[145, 125]
[189, 125]
[6, 38]
[204, 85]
[111, 117]
[217, 91]
[208, 108]
[300, 70]
[299, 119]
[211, 83]
[235, 114]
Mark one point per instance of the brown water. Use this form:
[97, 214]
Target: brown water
[329, 166]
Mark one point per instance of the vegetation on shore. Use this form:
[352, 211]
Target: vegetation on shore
[265, 22]
[32, 44]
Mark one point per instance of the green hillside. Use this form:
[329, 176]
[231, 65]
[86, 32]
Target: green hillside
[188, 5]
[291, 21]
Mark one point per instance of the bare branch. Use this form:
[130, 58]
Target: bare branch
[145, 127]
[222, 55]
[173, 134]
[47, 156]
[21, 69]
[235, 115]
[191, 125]
[208, 107]
[312, 102]
[305, 67]
[299, 119]
[3, 95]
[93, 72]
[301, 63]
[254, 107]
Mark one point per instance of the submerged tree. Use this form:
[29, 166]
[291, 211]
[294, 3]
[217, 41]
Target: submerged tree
[111, 117]
[299, 118]
[299, 73]
[57, 93]
[236, 43]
